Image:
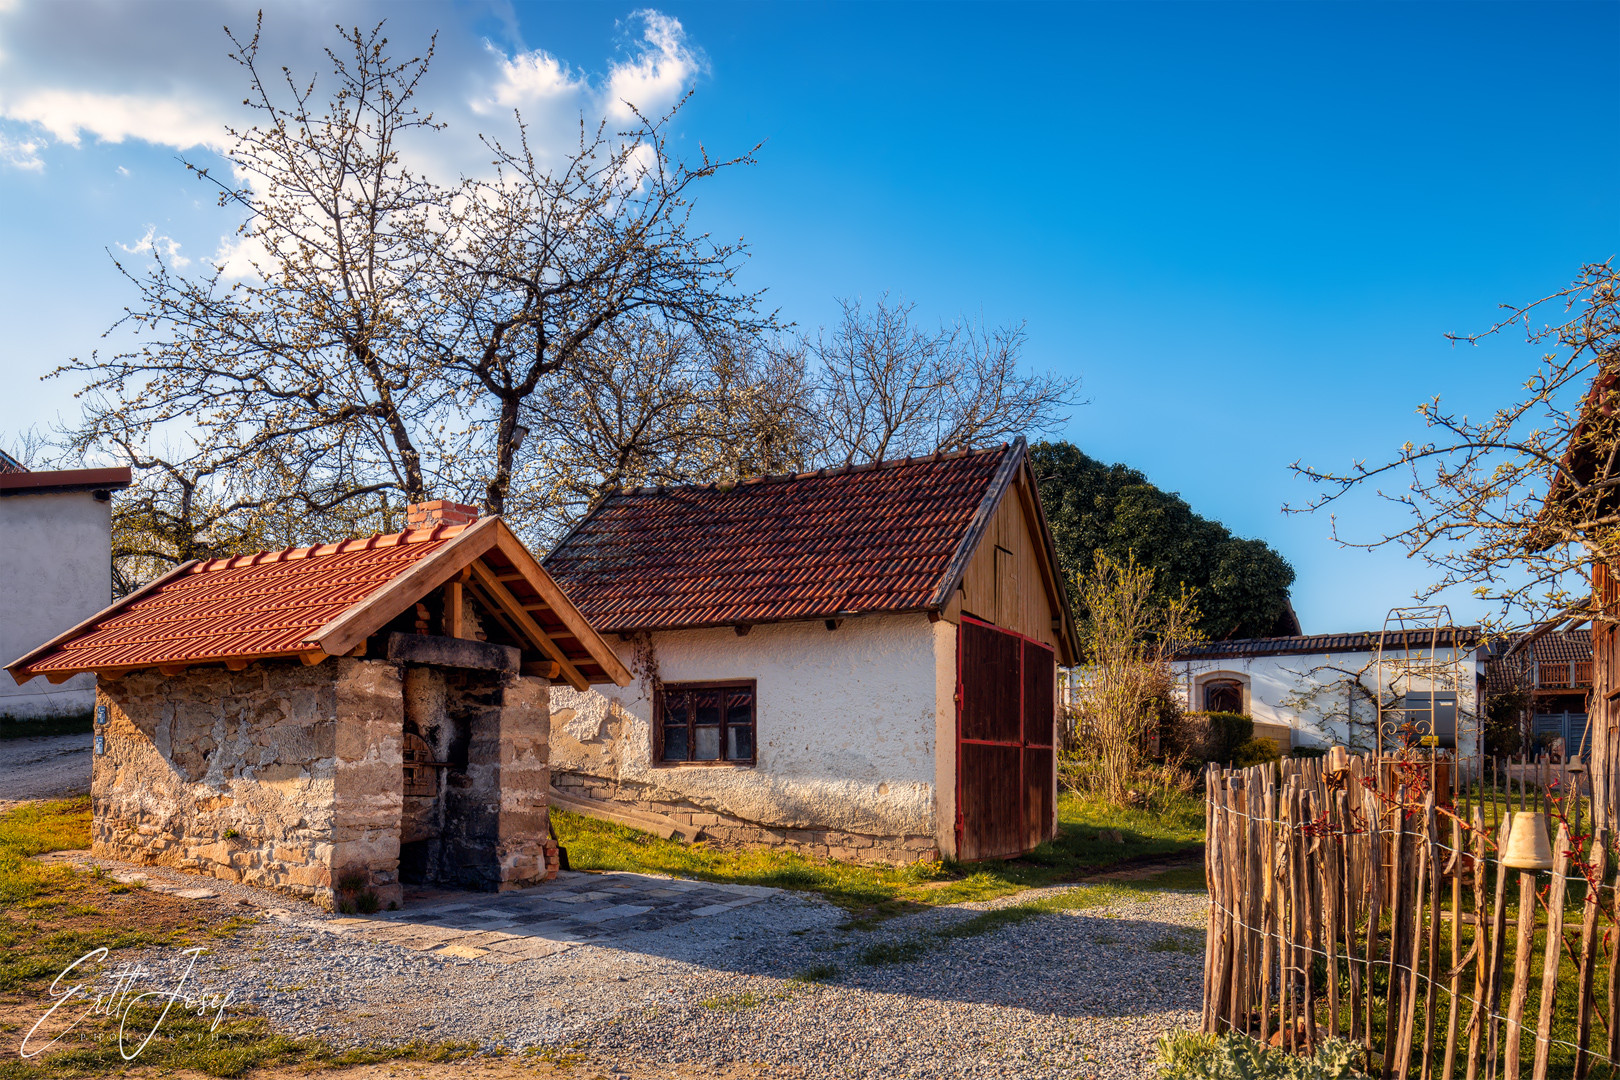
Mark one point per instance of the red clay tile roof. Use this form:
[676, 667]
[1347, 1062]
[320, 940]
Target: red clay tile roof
[268, 604]
[869, 538]
[327, 600]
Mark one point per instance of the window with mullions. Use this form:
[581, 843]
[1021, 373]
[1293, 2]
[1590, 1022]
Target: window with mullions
[708, 723]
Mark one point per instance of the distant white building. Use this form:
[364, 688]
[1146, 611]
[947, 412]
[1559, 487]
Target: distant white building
[1322, 689]
[56, 571]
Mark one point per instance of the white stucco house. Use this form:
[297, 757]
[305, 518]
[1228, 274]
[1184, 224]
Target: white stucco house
[1321, 689]
[854, 662]
[56, 535]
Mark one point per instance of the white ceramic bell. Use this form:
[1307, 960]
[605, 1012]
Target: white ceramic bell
[1528, 847]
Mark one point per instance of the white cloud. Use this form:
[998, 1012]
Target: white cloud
[167, 247]
[22, 153]
[71, 114]
[527, 79]
[652, 80]
[159, 73]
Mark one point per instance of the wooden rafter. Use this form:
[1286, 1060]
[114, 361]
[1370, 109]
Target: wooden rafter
[507, 603]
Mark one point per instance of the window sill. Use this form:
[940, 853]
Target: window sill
[703, 764]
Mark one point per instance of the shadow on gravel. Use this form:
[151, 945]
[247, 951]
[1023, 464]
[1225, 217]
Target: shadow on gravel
[1069, 963]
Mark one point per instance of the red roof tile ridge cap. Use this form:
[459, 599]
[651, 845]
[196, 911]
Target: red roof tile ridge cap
[824, 471]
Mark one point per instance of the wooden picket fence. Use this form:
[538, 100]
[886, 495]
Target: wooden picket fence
[1375, 910]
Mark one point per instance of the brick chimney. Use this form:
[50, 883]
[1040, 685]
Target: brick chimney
[439, 512]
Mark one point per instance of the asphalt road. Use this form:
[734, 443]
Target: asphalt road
[52, 767]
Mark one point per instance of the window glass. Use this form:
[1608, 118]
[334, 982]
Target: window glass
[706, 725]
[740, 724]
[699, 723]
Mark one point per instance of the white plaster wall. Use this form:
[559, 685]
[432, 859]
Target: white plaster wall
[55, 572]
[1309, 692]
[847, 723]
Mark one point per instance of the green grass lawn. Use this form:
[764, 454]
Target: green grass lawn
[1172, 827]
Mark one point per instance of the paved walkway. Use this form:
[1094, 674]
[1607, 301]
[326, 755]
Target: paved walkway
[543, 921]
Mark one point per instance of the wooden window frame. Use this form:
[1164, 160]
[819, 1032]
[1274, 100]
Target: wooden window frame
[691, 736]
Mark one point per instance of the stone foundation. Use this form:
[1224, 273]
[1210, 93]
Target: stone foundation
[291, 777]
[727, 831]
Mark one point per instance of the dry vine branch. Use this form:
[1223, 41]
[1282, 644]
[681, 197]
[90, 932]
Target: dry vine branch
[1518, 505]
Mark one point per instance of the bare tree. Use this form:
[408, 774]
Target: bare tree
[1516, 506]
[552, 258]
[309, 351]
[648, 403]
[889, 388]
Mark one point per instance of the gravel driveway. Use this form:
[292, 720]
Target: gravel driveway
[1070, 994]
[51, 767]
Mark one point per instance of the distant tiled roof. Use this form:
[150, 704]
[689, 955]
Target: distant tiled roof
[22, 482]
[318, 601]
[1561, 647]
[9, 464]
[842, 541]
[1361, 641]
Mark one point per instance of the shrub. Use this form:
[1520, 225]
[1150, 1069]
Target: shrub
[1205, 736]
[1255, 752]
[1187, 1055]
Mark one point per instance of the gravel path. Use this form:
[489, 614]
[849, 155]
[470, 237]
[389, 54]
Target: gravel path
[52, 767]
[1069, 994]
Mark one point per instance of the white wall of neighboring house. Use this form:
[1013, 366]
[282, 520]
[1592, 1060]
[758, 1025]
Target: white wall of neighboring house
[55, 572]
[1311, 693]
[847, 722]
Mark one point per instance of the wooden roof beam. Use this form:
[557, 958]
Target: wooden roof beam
[508, 603]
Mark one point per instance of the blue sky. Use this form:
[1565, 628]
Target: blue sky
[1245, 227]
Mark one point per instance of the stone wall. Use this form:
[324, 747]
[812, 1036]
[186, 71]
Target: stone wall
[291, 777]
[238, 774]
[727, 831]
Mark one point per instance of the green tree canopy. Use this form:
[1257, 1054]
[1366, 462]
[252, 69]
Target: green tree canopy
[1242, 584]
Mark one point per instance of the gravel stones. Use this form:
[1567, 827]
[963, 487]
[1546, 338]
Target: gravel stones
[774, 987]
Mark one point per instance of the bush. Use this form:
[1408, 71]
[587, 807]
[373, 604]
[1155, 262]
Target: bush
[1255, 752]
[1204, 737]
[1187, 1055]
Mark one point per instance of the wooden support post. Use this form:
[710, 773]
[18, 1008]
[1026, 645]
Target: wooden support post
[1554, 952]
[1482, 947]
[1459, 866]
[455, 619]
[1513, 1031]
[1588, 953]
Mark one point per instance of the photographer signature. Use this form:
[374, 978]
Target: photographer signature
[120, 993]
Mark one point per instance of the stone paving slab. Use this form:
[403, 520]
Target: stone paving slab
[532, 924]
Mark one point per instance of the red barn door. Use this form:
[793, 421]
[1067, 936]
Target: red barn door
[1006, 795]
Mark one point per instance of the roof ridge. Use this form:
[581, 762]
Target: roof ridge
[312, 551]
[811, 474]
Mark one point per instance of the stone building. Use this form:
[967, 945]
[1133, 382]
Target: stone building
[336, 721]
[856, 662]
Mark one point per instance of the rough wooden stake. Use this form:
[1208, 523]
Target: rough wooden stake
[1588, 953]
[1513, 1030]
[1554, 952]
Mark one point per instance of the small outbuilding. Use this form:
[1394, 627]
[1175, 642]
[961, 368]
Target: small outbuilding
[344, 718]
[855, 662]
[56, 533]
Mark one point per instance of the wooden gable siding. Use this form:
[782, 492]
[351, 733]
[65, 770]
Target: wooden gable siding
[1005, 581]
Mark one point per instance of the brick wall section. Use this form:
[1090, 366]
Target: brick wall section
[726, 831]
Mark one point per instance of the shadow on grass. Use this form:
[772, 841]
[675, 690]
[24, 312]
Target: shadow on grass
[1084, 846]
